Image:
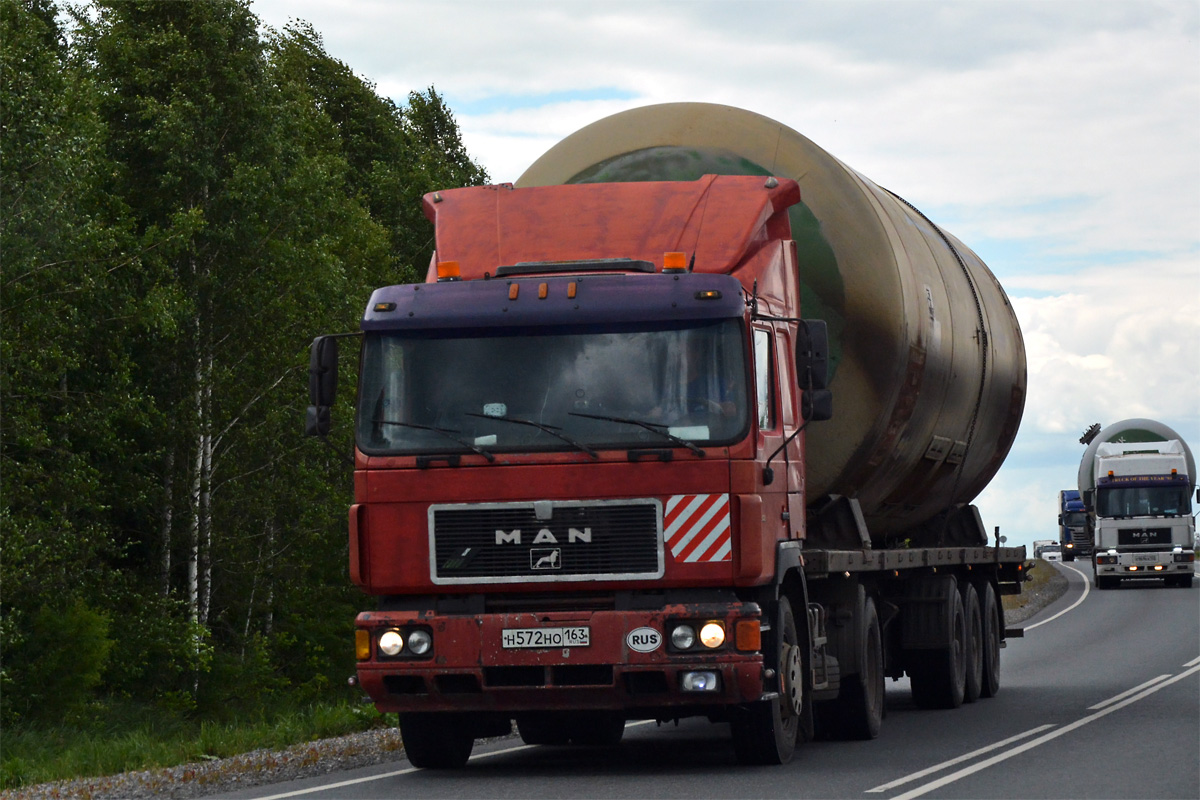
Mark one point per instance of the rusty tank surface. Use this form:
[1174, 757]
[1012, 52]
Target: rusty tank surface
[928, 364]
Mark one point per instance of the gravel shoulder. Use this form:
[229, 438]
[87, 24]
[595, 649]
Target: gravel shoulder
[322, 757]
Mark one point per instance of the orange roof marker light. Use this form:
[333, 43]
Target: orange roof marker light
[448, 271]
[674, 262]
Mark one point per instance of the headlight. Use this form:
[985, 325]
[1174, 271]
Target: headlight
[391, 642]
[712, 635]
[683, 637]
[419, 642]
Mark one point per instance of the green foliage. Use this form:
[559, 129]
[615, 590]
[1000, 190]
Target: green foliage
[123, 737]
[186, 204]
[57, 673]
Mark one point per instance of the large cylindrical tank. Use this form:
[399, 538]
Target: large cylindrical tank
[928, 362]
[1131, 431]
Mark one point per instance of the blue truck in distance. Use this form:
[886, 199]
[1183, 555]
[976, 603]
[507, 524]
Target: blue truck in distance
[1073, 536]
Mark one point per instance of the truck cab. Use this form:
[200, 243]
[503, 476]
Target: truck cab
[1142, 513]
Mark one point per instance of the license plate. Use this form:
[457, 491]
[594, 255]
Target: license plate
[518, 638]
[1144, 559]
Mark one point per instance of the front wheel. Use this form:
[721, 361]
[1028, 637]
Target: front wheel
[436, 741]
[766, 732]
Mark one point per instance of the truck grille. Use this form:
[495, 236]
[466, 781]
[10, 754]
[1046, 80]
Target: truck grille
[1144, 536]
[546, 541]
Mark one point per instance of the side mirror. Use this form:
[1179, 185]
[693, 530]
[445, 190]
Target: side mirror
[322, 385]
[1088, 496]
[1060, 519]
[816, 405]
[812, 354]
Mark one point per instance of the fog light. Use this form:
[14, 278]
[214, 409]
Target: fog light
[1158, 567]
[699, 682]
[683, 637]
[391, 643]
[712, 635]
[419, 642]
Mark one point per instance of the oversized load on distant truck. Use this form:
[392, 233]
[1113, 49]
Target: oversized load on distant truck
[1137, 478]
[685, 423]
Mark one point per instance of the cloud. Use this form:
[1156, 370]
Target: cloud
[1059, 140]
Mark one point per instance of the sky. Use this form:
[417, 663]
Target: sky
[1059, 139]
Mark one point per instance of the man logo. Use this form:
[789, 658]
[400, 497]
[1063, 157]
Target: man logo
[543, 558]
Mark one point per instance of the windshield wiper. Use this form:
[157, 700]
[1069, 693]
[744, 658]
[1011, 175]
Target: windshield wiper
[650, 426]
[448, 433]
[550, 429]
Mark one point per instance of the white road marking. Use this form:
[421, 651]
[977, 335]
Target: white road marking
[959, 760]
[982, 765]
[1087, 587]
[328, 786]
[1123, 695]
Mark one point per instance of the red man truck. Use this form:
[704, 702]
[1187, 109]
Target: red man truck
[686, 422]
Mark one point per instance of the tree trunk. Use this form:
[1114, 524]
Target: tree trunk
[167, 520]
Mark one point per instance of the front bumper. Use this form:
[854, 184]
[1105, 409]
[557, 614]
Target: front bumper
[1141, 565]
[628, 663]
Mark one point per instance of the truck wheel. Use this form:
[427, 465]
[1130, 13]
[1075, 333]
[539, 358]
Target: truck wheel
[436, 741]
[594, 729]
[973, 657]
[990, 615]
[857, 713]
[765, 732]
[938, 676]
[1107, 582]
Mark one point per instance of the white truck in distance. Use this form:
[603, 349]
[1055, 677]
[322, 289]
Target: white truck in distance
[1137, 479]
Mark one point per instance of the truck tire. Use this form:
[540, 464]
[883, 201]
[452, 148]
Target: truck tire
[857, 712]
[587, 728]
[973, 657]
[766, 732]
[990, 614]
[938, 675]
[436, 741]
[1106, 582]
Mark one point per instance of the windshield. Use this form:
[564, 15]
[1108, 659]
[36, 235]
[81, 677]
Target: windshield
[543, 390]
[1143, 501]
[1076, 519]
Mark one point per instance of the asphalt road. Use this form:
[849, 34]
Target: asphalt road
[1100, 699]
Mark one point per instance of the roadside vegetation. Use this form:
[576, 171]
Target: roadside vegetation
[188, 198]
[1040, 574]
[126, 739]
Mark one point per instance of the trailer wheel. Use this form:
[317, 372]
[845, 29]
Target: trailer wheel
[436, 741]
[990, 609]
[857, 712]
[591, 729]
[973, 657]
[766, 732]
[938, 675]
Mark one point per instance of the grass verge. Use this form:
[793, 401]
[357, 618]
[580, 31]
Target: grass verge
[125, 739]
